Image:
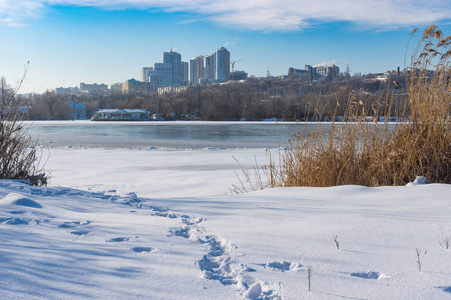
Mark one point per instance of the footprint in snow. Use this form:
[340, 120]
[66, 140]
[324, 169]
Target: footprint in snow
[259, 290]
[74, 224]
[165, 215]
[187, 221]
[282, 266]
[141, 249]
[369, 275]
[183, 232]
[121, 239]
[18, 212]
[80, 232]
[15, 221]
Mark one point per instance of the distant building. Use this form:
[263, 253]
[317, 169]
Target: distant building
[135, 86]
[314, 73]
[116, 87]
[210, 67]
[222, 69]
[93, 88]
[144, 73]
[196, 69]
[296, 73]
[172, 89]
[161, 75]
[77, 111]
[185, 72]
[238, 75]
[121, 115]
[175, 60]
[325, 71]
[70, 90]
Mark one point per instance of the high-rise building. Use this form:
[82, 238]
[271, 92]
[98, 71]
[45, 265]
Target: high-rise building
[145, 73]
[210, 67]
[161, 75]
[175, 59]
[196, 69]
[185, 73]
[222, 58]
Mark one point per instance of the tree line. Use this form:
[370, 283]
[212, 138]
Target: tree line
[254, 99]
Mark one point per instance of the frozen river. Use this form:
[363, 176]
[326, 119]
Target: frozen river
[172, 135]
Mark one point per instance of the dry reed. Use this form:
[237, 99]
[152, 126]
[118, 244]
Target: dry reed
[367, 149]
[382, 153]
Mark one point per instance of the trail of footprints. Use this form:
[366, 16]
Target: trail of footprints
[222, 265]
[219, 263]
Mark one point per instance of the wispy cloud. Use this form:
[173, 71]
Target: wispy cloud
[14, 13]
[267, 15]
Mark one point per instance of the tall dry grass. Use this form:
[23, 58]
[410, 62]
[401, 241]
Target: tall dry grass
[374, 153]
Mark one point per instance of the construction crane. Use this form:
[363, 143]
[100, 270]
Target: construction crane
[233, 64]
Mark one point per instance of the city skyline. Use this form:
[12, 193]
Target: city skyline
[68, 42]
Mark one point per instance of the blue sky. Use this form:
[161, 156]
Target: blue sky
[68, 41]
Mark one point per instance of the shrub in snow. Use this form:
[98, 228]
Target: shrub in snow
[18, 154]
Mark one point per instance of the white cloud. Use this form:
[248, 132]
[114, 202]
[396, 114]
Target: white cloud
[267, 15]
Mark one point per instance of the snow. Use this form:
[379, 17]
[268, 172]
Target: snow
[163, 224]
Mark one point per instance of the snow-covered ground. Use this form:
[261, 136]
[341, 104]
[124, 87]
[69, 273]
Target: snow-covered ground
[162, 224]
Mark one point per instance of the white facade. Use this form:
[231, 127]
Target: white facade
[161, 75]
[145, 73]
[121, 115]
[196, 69]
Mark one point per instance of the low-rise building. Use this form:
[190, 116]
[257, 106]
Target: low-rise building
[238, 75]
[69, 90]
[93, 88]
[77, 111]
[121, 115]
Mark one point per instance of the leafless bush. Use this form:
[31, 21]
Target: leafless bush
[19, 157]
[445, 242]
